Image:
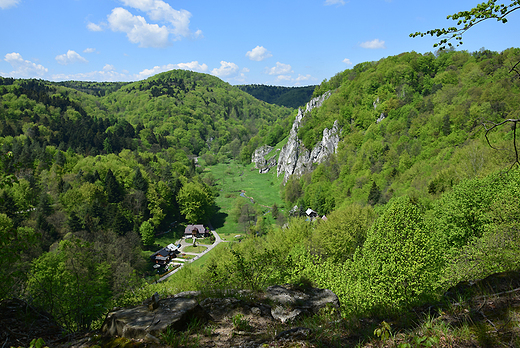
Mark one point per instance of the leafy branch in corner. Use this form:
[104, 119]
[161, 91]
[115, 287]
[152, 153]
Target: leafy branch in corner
[467, 19]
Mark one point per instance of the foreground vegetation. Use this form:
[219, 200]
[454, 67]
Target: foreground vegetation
[392, 266]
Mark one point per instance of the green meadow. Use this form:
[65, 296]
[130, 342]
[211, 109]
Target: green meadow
[236, 181]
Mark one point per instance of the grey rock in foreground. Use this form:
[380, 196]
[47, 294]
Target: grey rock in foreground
[140, 322]
[295, 303]
[155, 316]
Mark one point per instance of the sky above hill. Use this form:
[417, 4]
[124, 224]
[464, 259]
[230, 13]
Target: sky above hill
[274, 42]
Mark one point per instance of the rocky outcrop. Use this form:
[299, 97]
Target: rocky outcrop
[154, 317]
[290, 304]
[258, 157]
[261, 163]
[148, 321]
[294, 158]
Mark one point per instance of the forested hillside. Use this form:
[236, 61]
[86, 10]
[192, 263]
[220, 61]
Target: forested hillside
[411, 124]
[92, 171]
[415, 198]
[292, 97]
[159, 109]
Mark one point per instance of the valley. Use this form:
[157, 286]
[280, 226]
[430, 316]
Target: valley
[412, 196]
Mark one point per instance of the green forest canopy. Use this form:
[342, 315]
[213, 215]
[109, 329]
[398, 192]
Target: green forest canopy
[292, 97]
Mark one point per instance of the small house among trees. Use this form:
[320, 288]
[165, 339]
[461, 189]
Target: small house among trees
[165, 255]
[311, 213]
[196, 231]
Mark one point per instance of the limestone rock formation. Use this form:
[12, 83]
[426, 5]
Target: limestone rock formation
[261, 163]
[294, 158]
[258, 157]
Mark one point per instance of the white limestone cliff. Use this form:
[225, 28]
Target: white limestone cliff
[294, 158]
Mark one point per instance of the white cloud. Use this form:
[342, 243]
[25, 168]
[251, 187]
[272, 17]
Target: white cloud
[283, 77]
[193, 66]
[303, 78]
[335, 2]
[5, 4]
[279, 69]
[258, 54]
[347, 61]
[374, 44]
[101, 76]
[24, 68]
[137, 29]
[174, 24]
[239, 78]
[89, 50]
[70, 57]
[226, 69]
[109, 67]
[159, 10]
[94, 27]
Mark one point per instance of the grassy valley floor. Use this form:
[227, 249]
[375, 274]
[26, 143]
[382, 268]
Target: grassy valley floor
[235, 180]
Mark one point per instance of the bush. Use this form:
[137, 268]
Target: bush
[400, 262]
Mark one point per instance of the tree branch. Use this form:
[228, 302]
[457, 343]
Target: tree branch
[514, 69]
[495, 125]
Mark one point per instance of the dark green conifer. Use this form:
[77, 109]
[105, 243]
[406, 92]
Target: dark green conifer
[113, 188]
[139, 181]
[374, 194]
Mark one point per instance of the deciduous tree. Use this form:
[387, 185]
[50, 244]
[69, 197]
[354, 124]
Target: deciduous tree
[196, 202]
[71, 284]
[400, 261]
[344, 231]
[13, 243]
[147, 233]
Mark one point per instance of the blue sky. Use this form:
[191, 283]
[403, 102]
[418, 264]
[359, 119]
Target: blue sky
[282, 42]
